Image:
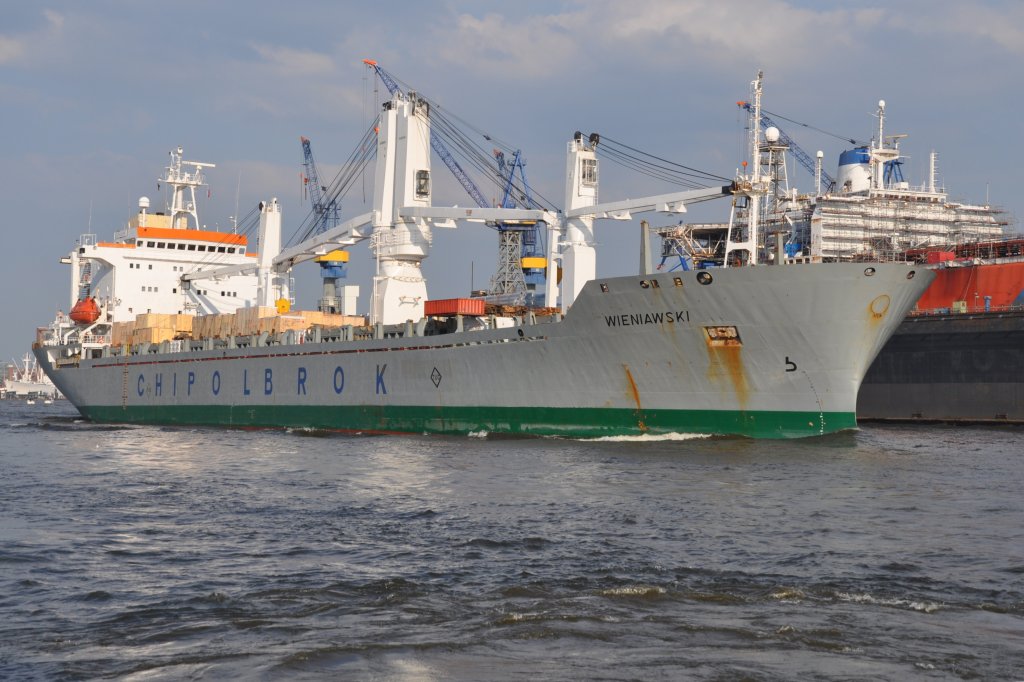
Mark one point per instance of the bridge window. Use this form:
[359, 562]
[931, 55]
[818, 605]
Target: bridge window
[588, 172]
[422, 184]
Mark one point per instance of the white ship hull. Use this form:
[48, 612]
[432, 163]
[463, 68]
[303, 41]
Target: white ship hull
[637, 358]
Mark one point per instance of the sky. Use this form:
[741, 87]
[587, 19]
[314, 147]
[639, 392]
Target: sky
[94, 95]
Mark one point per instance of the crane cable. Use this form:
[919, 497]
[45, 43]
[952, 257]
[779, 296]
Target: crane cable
[685, 171]
[467, 150]
[820, 130]
[344, 180]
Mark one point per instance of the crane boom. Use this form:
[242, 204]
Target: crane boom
[435, 142]
[326, 216]
[802, 157]
[326, 213]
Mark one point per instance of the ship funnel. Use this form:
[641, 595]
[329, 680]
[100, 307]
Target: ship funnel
[854, 170]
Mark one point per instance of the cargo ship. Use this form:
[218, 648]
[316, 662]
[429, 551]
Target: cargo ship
[173, 324]
[26, 381]
[958, 355]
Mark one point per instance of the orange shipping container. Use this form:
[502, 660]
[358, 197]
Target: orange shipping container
[454, 306]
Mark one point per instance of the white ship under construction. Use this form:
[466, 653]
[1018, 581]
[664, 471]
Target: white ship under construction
[177, 325]
[867, 212]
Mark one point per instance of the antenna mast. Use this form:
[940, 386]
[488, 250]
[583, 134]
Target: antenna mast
[182, 181]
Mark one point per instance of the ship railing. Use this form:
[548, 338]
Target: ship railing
[967, 310]
[95, 339]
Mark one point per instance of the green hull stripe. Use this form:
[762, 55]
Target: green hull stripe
[574, 422]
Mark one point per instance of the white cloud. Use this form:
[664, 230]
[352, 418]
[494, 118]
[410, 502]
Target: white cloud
[678, 34]
[17, 48]
[772, 33]
[55, 20]
[298, 62]
[1002, 26]
[497, 45]
[11, 49]
[649, 33]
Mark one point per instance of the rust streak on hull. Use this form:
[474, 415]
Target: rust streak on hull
[728, 360]
[635, 395]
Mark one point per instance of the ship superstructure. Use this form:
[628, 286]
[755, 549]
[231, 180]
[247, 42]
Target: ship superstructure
[772, 351]
[869, 213]
[27, 380]
[140, 270]
[874, 214]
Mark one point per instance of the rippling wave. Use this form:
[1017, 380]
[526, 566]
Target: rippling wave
[166, 553]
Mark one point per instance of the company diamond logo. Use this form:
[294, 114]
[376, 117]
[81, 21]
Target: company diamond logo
[435, 376]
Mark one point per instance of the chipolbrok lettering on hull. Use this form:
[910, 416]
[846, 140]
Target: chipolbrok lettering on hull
[154, 384]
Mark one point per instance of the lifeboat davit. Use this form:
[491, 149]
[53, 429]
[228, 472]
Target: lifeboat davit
[85, 311]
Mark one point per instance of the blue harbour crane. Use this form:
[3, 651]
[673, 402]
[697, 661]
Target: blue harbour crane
[326, 215]
[804, 159]
[520, 250]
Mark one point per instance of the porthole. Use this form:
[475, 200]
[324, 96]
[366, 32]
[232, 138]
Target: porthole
[869, 271]
[910, 275]
[705, 278]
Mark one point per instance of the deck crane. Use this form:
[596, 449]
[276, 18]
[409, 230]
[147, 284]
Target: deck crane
[805, 160]
[520, 266]
[435, 142]
[326, 216]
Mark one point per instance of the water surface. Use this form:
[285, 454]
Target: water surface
[895, 552]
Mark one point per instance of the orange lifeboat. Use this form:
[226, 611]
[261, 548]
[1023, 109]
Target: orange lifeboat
[85, 311]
